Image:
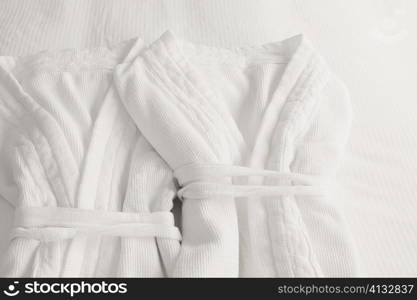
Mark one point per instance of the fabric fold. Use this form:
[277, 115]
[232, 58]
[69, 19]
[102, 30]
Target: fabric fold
[101, 139]
[174, 99]
[183, 132]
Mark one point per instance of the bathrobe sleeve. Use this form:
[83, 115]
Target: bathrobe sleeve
[10, 111]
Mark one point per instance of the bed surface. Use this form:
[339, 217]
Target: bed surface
[370, 45]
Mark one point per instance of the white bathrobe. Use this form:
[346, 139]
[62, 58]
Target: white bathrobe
[101, 141]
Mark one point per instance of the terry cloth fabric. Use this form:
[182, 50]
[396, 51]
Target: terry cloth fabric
[101, 141]
[274, 107]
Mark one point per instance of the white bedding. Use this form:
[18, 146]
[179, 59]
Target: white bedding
[371, 45]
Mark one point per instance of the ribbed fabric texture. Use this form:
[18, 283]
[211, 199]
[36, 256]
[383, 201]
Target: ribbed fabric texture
[70, 143]
[102, 154]
[88, 23]
[166, 96]
[370, 44]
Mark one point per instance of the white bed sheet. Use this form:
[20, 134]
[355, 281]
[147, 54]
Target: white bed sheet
[370, 44]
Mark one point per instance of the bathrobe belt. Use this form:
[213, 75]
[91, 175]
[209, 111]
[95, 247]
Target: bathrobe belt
[203, 181]
[197, 182]
[57, 223]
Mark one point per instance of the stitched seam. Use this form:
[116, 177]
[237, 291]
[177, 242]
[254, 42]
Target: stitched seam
[188, 107]
[26, 102]
[206, 100]
[300, 108]
[185, 109]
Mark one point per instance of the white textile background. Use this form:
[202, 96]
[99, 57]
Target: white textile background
[370, 44]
